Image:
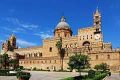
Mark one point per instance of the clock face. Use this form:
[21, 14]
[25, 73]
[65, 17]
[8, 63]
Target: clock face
[97, 36]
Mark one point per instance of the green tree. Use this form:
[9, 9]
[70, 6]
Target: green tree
[78, 61]
[102, 67]
[14, 63]
[5, 60]
[61, 51]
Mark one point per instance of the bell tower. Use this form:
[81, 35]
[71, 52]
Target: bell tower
[97, 26]
[97, 19]
[12, 40]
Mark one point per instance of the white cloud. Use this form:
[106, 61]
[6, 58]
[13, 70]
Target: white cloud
[21, 24]
[15, 30]
[24, 43]
[43, 35]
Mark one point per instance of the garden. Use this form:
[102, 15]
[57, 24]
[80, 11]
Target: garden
[80, 63]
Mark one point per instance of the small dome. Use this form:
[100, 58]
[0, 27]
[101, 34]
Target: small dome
[63, 24]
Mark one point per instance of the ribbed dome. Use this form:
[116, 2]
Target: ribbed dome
[63, 24]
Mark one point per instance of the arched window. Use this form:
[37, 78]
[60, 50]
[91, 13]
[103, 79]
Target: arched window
[108, 56]
[87, 36]
[50, 49]
[83, 37]
[40, 54]
[96, 56]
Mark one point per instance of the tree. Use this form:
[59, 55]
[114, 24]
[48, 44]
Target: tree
[14, 63]
[102, 66]
[5, 60]
[61, 51]
[78, 61]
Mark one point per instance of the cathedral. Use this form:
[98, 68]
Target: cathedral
[88, 41]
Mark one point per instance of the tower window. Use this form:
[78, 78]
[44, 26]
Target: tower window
[96, 16]
[97, 29]
[83, 37]
[97, 22]
[50, 49]
[91, 36]
[58, 35]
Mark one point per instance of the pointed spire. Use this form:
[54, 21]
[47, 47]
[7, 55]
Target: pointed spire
[12, 36]
[63, 19]
[97, 11]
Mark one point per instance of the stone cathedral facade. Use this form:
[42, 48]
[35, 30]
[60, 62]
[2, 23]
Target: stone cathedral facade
[88, 41]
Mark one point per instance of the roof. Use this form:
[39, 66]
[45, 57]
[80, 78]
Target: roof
[62, 24]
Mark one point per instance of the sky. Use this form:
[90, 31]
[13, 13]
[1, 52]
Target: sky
[31, 21]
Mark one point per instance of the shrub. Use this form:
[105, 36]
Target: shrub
[91, 73]
[97, 73]
[21, 67]
[34, 69]
[103, 67]
[6, 73]
[100, 77]
[23, 75]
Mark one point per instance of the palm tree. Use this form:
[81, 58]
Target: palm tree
[61, 52]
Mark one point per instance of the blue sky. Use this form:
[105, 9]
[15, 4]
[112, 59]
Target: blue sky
[33, 20]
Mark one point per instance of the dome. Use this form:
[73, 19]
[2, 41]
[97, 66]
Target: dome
[63, 24]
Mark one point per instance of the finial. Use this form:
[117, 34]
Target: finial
[63, 19]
